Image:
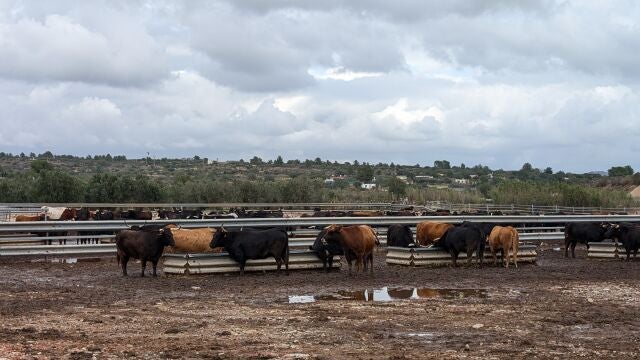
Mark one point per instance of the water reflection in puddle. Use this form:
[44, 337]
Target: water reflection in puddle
[391, 294]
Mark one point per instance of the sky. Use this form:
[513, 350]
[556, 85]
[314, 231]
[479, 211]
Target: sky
[497, 83]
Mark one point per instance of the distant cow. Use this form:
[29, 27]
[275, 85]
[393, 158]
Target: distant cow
[429, 232]
[469, 238]
[146, 245]
[358, 242]
[584, 233]
[505, 239]
[628, 234]
[326, 250]
[254, 244]
[400, 235]
[21, 218]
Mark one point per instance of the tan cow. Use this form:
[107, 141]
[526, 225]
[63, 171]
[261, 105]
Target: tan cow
[192, 240]
[358, 242]
[505, 238]
[429, 232]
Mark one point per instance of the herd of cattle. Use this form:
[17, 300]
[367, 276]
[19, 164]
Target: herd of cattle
[356, 243]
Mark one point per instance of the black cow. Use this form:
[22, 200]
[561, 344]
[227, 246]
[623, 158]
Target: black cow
[486, 227]
[144, 245]
[628, 234]
[326, 250]
[583, 232]
[400, 235]
[469, 238]
[254, 244]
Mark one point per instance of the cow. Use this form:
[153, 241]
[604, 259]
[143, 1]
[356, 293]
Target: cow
[191, 240]
[628, 234]
[365, 213]
[145, 245]
[400, 235]
[358, 242]
[59, 214]
[429, 232]
[21, 218]
[253, 244]
[326, 250]
[582, 232]
[469, 238]
[505, 239]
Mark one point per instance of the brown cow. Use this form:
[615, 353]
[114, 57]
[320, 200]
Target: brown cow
[504, 238]
[366, 213]
[30, 217]
[429, 232]
[358, 242]
[191, 240]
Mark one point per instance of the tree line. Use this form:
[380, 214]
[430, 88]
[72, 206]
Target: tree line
[46, 183]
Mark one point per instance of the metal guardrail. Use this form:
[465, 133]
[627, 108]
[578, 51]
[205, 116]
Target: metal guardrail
[432, 205]
[210, 205]
[439, 257]
[114, 225]
[186, 264]
[57, 250]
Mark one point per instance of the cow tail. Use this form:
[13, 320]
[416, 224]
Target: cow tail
[375, 235]
[481, 245]
[516, 242]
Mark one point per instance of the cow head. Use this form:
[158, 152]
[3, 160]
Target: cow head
[166, 237]
[332, 235]
[612, 231]
[220, 238]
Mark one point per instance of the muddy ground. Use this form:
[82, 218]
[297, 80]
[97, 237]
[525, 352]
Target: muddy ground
[558, 309]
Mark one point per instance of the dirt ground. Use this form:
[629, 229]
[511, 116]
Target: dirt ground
[557, 309]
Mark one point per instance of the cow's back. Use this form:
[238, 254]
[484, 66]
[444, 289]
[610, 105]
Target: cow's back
[360, 239]
[192, 240]
[427, 232]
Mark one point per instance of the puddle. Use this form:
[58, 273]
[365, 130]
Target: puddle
[391, 294]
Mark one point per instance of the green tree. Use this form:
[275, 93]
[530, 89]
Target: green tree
[621, 171]
[397, 187]
[279, 160]
[39, 166]
[364, 173]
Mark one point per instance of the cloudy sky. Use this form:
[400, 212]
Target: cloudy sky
[554, 83]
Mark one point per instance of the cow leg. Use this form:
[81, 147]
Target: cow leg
[371, 261]
[278, 265]
[347, 256]
[365, 260]
[144, 267]
[505, 257]
[123, 262]
[495, 258]
[155, 266]
[573, 249]
[470, 255]
[628, 254]
[243, 262]
[454, 258]
[567, 242]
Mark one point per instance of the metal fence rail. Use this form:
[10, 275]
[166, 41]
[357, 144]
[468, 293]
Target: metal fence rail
[114, 225]
[431, 205]
[57, 250]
